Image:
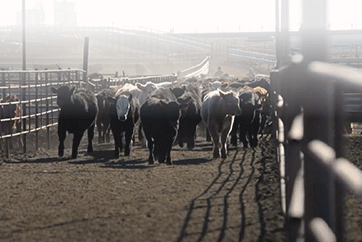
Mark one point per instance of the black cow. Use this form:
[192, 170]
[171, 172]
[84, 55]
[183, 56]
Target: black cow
[78, 111]
[124, 114]
[190, 116]
[103, 119]
[160, 116]
[248, 122]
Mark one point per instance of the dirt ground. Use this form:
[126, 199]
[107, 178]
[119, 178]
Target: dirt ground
[98, 198]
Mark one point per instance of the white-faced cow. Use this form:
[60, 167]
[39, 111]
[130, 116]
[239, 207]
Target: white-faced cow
[217, 112]
[124, 114]
[160, 116]
[78, 111]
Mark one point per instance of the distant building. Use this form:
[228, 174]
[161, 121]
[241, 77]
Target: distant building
[34, 17]
[64, 14]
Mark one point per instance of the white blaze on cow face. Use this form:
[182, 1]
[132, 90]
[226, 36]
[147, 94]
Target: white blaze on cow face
[122, 107]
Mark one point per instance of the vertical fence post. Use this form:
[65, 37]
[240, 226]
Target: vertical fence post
[23, 93]
[339, 144]
[24, 112]
[85, 59]
[47, 110]
[36, 111]
[318, 118]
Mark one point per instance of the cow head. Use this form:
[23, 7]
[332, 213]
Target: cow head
[178, 91]
[123, 104]
[146, 90]
[172, 111]
[230, 103]
[64, 95]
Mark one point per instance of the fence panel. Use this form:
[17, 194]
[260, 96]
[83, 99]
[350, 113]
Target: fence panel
[33, 103]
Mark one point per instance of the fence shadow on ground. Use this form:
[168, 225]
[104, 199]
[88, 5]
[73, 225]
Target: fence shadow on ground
[231, 177]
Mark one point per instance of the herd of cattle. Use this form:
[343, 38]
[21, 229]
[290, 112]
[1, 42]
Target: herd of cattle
[165, 114]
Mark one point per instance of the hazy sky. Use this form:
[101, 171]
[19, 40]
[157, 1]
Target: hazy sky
[187, 15]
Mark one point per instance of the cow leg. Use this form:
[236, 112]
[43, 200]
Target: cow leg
[224, 136]
[99, 128]
[157, 150]
[215, 140]
[90, 138]
[168, 154]
[117, 139]
[150, 148]
[233, 133]
[128, 139]
[243, 131]
[108, 133]
[62, 134]
[76, 141]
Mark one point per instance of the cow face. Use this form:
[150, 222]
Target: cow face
[230, 103]
[64, 95]
[123, 105]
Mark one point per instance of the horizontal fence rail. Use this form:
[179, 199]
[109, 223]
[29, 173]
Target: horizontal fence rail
[311, 107]
[39, 110]
[33, 98]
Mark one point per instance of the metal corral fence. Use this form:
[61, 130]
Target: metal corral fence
[308, 94]
[39, 110]
[198, 70]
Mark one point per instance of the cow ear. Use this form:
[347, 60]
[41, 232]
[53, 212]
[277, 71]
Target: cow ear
[54, 90]
[140, 86]
[222, 94]
[163, 102]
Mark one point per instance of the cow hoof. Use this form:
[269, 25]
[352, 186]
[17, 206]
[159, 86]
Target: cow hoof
[151, 162]
[60, 153]
[169, 163]
[116, 155]
[74, 156]
[127, 153]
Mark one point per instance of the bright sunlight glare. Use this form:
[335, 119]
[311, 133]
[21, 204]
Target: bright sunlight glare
[187, 15]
